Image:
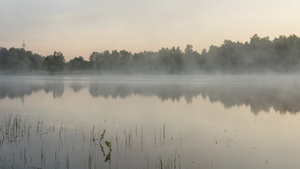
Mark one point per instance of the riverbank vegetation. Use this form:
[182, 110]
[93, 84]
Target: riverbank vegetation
[259, 55]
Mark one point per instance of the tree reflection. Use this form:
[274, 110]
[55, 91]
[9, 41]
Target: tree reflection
[76, 87]
[20, 89]
[260, 97]
[57, 88]
[282, 97]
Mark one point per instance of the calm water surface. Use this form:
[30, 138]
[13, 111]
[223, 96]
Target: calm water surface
[224, 122]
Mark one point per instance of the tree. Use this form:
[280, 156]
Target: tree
[171, 59]
[258, 55]
[114, 59]
[78, 63]
[192, 60]
[125, 58]
[3, 58]
[36, 61]
[55, 62]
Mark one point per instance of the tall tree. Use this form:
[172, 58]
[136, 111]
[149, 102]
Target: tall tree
[55, 62]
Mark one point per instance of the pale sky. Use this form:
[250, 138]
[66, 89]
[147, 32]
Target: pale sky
[80, 27]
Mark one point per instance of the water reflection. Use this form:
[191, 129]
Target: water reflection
[17, 90]
[20, 89]
[76, 87]
[259, 97]
[282, 97]
[57, 88]
[113, 123]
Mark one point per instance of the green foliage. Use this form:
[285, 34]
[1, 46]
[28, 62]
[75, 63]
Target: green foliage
[78, 63]
[19, 59]
[256, 56]
[55, 62]
[108, 144]
[171, 59]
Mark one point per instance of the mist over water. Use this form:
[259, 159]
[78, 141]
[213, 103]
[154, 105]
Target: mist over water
[116, 87]
[261, 93]
[149, 121]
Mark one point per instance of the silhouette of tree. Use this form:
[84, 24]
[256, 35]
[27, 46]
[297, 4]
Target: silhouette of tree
[78, 63]
[171, 59]
[55, 62]
[259, 55]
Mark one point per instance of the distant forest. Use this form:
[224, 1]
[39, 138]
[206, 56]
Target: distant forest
[259, 55]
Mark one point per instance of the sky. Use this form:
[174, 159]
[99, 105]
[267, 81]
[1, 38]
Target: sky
[80, 27]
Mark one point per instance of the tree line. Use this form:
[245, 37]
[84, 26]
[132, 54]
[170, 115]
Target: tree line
[259, 55]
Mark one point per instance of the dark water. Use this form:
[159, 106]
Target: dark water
[149, 122]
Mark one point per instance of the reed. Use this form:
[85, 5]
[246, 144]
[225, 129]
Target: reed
[24, 135]
[67, 160]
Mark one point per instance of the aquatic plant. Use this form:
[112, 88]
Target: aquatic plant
[34, 145]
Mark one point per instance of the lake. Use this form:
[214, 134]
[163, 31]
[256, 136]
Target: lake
[217, 121]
